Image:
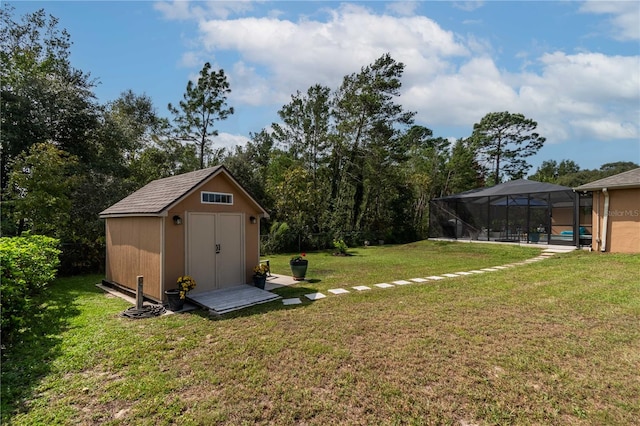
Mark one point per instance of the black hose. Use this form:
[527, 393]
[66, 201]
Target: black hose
[147, 311]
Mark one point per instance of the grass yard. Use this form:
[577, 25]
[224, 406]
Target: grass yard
[553, 342]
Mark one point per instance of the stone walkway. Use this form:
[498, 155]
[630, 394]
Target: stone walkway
[547, 253]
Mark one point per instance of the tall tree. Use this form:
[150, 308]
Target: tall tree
[204, 103]
[369, 125]
[505, 140]
[425, 170]
[41, 183]
[550, 170]
[463, 170]
[306, 126]
[305, 131]
[43, 97]
[249, 164]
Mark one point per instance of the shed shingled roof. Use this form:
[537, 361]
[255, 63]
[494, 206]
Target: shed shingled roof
[628, 179]
[158, 195]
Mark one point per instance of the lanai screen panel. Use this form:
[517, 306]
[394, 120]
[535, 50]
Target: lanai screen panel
[517, 211]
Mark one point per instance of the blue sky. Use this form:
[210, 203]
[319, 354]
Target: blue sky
[574, 67]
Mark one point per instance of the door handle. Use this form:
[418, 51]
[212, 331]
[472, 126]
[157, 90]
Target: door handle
[217, 248]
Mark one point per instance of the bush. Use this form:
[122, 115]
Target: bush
[341, 246]
[27, 265]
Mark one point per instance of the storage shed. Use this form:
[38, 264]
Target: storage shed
[202, 223]
[616, 212]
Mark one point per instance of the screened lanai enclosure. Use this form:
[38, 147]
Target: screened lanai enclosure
[521, 211]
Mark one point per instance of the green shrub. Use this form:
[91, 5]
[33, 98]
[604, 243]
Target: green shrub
[27, 265]
[341, 246]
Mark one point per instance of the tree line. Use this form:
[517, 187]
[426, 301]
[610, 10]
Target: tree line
[342, 163]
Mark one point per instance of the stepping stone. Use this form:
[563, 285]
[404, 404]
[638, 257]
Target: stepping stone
[362, 288]
[464, 273]
[500, 267]
[338, 291]
[402, 282]
[435, 277]
[449, 275]
[475, 271]
[490, 269]
[315, 296]
[384, 285]
[418, 280]
[294, 301]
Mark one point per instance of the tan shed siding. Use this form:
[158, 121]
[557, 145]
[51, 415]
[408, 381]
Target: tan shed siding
[252, 244]
[174, 258]
[134, 248]
[623, 235]
[175, 237]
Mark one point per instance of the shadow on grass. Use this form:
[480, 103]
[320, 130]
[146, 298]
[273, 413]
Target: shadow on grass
[29, 356]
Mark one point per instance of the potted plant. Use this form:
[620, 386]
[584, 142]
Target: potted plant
[298, 266]
[176, 297]
[534, 235]
[260, 275]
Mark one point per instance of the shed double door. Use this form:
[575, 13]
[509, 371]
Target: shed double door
[215, 250]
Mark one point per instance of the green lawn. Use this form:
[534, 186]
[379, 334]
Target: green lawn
[553, 342]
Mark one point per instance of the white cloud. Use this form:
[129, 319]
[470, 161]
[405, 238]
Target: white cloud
[299, 54]
[402, 8]
[464, 97]
[606, 128]
[450, 79]
[248, 87]
[176, 10]
[191, 60]
[229, 141]
[183, 9]
[625, 19]
[593, 76]
[468, 6]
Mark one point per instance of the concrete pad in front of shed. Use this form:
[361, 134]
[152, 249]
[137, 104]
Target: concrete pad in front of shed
[277, 281]
[338, 291]
[292, 301]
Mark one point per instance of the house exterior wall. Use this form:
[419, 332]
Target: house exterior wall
[623, 230]
[175, 238]
[134, 248]
[561, 219]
